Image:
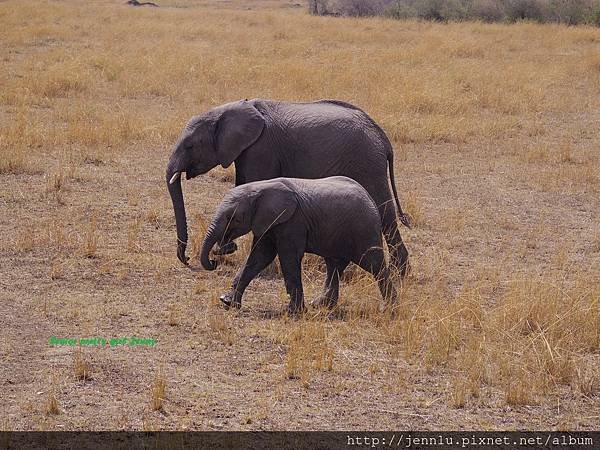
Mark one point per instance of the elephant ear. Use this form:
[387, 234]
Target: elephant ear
[273, 206]
[238, 128]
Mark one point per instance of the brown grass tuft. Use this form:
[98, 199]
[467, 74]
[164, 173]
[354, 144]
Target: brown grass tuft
[587, 380]
[81, 367]
[221, 324]
[133, 236]
[57, 270]
[15, 145]
[596, 241]
[173, 316]
[158, 393]
[90, 242]
[413, 206]
[52, 407]
[458, 393]
[519, 392]
[26, 239]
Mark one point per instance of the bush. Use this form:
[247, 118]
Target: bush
[487, 10]
[400, 10]
[442, 10]
[361, 8]
[318, 7]
[524, 10]
[593, 16]
[571, 12]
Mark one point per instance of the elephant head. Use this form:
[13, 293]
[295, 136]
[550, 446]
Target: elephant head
[216, 137]
[248, 209]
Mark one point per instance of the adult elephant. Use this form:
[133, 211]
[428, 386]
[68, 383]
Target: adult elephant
[268, 139]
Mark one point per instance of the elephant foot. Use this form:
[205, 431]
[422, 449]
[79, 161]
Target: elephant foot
[226, 249]
[229, 301]
[296, 310]
[323, 301]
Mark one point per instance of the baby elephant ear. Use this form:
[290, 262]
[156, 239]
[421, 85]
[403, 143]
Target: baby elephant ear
[273, 206]
[238, 128]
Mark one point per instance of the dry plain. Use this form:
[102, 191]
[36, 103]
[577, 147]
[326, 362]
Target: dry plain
[496, 131]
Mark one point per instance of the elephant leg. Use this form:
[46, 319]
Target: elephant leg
[290, 259]
[331, 292]
[373, 261]
[398, 251]
[262, 254]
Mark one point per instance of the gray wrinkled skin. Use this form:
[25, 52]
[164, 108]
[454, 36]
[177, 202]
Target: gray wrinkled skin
[269, 139]
[331, 217]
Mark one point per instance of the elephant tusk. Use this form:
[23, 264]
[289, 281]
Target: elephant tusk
[175, 177]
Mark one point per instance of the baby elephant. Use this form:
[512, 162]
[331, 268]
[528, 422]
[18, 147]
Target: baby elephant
[331, 217]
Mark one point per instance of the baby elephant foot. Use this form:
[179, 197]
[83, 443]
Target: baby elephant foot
[226, 249]
[323, 301]
[230, 300]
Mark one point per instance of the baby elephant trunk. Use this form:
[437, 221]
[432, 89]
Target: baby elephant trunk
[211, 238]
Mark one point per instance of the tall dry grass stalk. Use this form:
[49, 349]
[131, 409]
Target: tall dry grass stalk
[81, 367]
[158, 392]
[90, 242]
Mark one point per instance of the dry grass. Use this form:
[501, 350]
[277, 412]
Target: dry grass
[159, 387]
[221, 324]
[495, 131]
[52, 406]
[133, 244]
[90, 242]
[81, 367]
[308, 350]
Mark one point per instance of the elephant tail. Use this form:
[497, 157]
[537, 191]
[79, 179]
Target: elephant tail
[404, 217]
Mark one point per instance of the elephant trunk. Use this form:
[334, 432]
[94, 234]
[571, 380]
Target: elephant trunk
[174, 186]
[215, 230]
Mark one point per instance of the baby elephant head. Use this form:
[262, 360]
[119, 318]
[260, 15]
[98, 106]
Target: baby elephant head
[256, 207]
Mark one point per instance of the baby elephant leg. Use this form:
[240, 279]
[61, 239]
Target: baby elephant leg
[262, 254]
[373, 261]
[331, 292]
[290, 259]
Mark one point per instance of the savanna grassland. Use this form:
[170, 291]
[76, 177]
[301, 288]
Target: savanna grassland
[496, 131]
